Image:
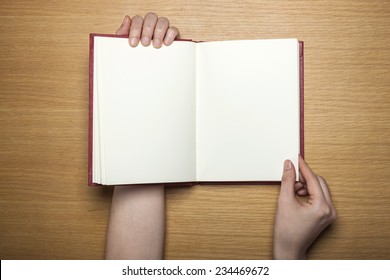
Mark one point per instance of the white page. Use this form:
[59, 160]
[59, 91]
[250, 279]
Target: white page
[247, 109]
[147, 112]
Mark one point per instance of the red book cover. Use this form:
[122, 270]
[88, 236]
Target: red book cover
[90, 114]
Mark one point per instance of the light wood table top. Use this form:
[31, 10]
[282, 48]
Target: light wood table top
[49, 212]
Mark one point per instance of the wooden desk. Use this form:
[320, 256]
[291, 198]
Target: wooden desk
[49, 212]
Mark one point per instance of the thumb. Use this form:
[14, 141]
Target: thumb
[288, 181]
[124, 29]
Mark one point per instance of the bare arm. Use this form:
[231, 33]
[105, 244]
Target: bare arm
[137, 219]
[137, 223]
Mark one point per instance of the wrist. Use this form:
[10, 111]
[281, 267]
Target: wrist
[288, 254]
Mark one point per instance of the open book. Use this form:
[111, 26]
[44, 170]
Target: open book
[228, 111]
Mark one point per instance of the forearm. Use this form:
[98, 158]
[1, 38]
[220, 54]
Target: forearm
[137, 223]
[280, 253]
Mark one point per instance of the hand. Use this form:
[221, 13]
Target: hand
[297, 223]
[151, 29]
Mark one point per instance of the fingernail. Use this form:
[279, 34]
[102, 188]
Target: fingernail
[157, 43]
[133, 42]
[167, 40]
[287, 165]
[145, 41]
[302, 192]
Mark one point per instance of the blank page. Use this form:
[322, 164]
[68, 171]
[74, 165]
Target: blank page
[247, 109]
[146, 119]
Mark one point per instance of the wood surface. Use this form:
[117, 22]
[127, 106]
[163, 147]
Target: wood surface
[49, 212]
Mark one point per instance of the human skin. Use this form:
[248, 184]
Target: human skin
[298, 223]
[137, 218]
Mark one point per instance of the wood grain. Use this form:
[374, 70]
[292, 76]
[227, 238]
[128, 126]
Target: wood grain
[49, 212]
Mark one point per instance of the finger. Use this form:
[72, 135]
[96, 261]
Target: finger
[135, 30]
[124, 29]
[159, 32]
[298, 186]
[148, 28]
[313, 186]
[301, 179]
[171, 35]
[300, 189]
[288, 181]
[325, 190]
[302, 192]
